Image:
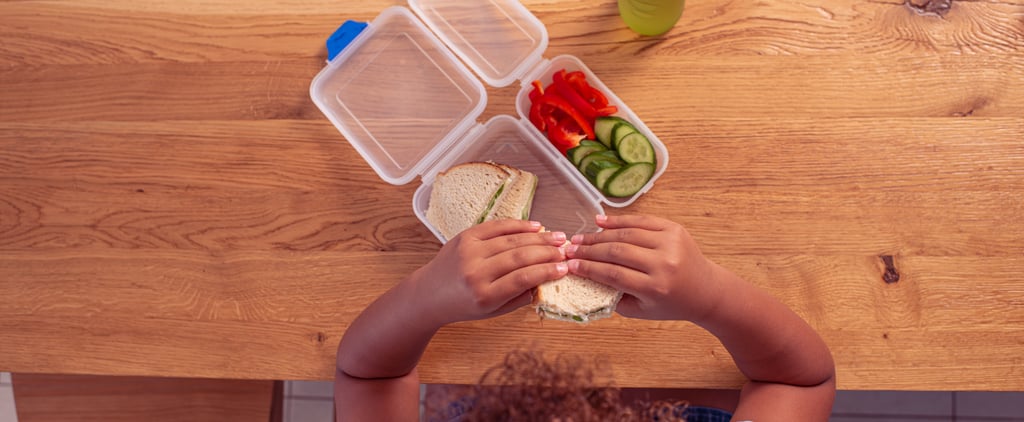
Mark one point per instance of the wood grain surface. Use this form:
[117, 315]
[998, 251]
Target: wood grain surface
[172, 203]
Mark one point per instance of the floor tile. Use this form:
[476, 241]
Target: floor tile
[5, 378]
[7, 411]
[894, 403]
[990, 404]
[308, 410]
[988, 419]
[891, 419]
[423, 395]
[307, 389]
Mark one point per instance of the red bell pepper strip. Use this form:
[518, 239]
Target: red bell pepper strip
[550, 103]
[537, 91]
[565, 134]
[558, 77]
[592, 95]
[566, 109]
[607, 111]
[569, 94]
[535, 117]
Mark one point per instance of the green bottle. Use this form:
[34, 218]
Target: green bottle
[650, 17]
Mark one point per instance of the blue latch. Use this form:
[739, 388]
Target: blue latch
[343, 36]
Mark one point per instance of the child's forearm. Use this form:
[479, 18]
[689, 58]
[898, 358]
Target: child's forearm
[388, 338]
[767, 340]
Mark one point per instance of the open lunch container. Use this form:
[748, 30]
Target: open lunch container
[397, 91]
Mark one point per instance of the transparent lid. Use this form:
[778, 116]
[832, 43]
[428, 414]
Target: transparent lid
[499, 39]
[560, 202]
[402, 98]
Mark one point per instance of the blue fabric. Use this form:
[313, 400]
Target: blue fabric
[706, 414]
[691, 413]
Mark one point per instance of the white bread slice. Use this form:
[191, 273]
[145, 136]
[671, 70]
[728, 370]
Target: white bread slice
[516, 198]
[463, 195]
[574, 298]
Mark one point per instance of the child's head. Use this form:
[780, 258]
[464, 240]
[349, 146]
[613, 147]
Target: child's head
[529, 387]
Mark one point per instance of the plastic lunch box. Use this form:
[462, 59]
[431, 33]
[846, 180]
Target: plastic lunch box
[398, 92]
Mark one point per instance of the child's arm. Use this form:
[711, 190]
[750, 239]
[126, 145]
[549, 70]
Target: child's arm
[792, 376]
[486, 271]
[664, 276]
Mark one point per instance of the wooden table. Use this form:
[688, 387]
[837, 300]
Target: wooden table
[173, 204]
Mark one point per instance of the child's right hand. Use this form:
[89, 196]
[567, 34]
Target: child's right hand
[488, 270]
[653, 261]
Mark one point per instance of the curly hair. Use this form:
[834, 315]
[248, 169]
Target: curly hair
[528, 387]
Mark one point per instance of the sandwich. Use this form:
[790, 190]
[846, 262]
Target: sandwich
[574, 298]
[516, 198]
[471, 193]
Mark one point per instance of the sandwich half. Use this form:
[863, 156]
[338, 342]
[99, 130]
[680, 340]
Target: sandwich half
[574, 298]
[463, 196]
[471, 193]
[516, 197]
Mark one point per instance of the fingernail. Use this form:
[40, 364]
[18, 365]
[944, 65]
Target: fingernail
[535, 224]
[574, 265]
[562, 268]
[570, 249]
[601, 218]
[577, 238]
[559, 237]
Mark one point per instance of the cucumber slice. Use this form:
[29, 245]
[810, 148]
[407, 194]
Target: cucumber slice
[577, 153]
[636, 148]
[596, 166]
[483, 215]
[603, 156]
[620, 131]
[601, 178]
[591, 143]
[529, 201]
[629, 180]
[603, 128]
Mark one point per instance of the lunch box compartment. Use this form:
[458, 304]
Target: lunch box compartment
[400, 92]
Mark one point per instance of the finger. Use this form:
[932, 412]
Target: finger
[626, 280]
[640, 237]
[524, 279]
[510, 260]
[522, 300]
[645, 222]
[500, 244]
[495, 228]
[623, 254]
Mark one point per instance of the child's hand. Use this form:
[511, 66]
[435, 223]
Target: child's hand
[653, 261]
[489, 270]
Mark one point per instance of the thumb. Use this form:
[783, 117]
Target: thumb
[523, 299]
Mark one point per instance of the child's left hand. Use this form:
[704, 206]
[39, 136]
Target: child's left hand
[488, 270]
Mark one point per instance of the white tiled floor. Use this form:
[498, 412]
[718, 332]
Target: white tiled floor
[311, 401]
[1003, 405]
[877, 418]
[7, 413]
[894, 403]
[308, 401]
[309, 389]
[917, 406]
[308, 410]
